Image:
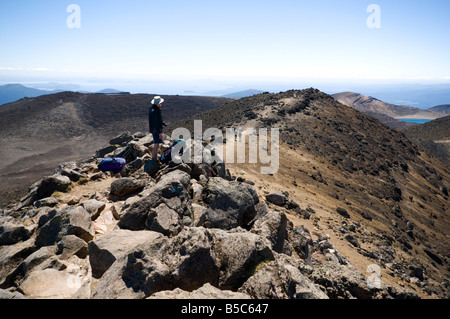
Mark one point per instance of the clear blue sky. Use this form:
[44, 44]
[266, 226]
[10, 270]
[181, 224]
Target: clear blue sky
[173, 40]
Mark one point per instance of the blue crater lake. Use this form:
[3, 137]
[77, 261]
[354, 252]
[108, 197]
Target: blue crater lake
[417, 121]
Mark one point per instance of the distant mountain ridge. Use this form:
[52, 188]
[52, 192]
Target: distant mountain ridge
[245, 93]
[110, 91]
[365, 103]
[13, 92]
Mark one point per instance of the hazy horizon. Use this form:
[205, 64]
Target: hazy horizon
[411, 94]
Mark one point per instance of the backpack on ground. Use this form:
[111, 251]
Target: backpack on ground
[114, 165]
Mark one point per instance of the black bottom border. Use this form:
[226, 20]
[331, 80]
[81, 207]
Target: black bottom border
[223, 308]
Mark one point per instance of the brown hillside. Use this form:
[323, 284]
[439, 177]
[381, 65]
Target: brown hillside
[392, 197]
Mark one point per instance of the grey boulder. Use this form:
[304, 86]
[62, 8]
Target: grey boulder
[231, 204]
[67, 221]
[105, 250]
[126, 186]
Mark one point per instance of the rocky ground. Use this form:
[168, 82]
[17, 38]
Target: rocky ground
[186, 231]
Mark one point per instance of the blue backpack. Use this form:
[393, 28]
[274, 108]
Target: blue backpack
[114, 165]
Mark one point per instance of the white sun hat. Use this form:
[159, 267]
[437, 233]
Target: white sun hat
[157, 100]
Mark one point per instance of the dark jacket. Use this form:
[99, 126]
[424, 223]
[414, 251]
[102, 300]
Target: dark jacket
[155, 120]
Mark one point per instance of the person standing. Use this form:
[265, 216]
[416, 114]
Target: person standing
[156, 124]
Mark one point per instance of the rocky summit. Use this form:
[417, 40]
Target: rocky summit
[185, 231]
